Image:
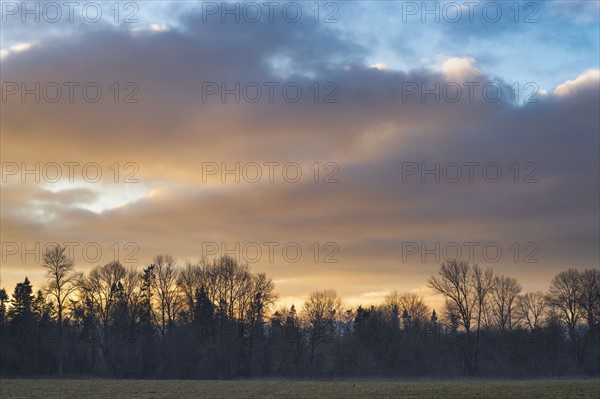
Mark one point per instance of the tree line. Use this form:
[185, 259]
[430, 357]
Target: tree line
[216, 319]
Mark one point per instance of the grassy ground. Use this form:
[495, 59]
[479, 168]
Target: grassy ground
[165, 389]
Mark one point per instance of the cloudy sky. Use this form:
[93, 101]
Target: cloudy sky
[350, 145]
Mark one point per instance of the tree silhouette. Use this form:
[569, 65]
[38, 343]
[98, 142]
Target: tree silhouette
[215, 319]
[62, 282]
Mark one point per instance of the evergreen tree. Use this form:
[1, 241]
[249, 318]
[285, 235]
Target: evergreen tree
[24, 328]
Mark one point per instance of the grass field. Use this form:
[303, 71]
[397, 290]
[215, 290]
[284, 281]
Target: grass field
[174, 389]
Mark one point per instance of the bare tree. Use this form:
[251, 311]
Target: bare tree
[504, 301]
[261, 287]
[531, 307]
[189, 282]
[100, 288]
[413, 303]
[132, 293]
[589, 296]
[467, 290]
[482, 283]
[319, 313]
[236, 280]
[564, 294]
[454, 282]
[62, 282]
[165, 286]
[230, 285]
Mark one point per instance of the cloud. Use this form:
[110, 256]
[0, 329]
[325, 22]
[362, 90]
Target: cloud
[157, 28]
[589, 79]
[370, 133]
[379, 66]
[17, 48]
[460, 69]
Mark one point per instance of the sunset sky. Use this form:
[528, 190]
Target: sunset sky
[369, 135]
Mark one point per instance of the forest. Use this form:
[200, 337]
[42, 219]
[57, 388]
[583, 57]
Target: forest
[217, 319]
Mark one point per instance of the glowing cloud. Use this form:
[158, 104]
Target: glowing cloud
[588, 79]
[379, 66]
[460, 69]
[17, 48]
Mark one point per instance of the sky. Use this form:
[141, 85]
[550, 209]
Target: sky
[352, 145]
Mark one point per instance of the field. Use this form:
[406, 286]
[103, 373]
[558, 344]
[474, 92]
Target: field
[167, 389]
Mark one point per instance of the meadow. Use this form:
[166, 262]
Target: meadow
[167, 389]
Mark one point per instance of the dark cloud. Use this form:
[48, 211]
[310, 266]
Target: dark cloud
[370, 133]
